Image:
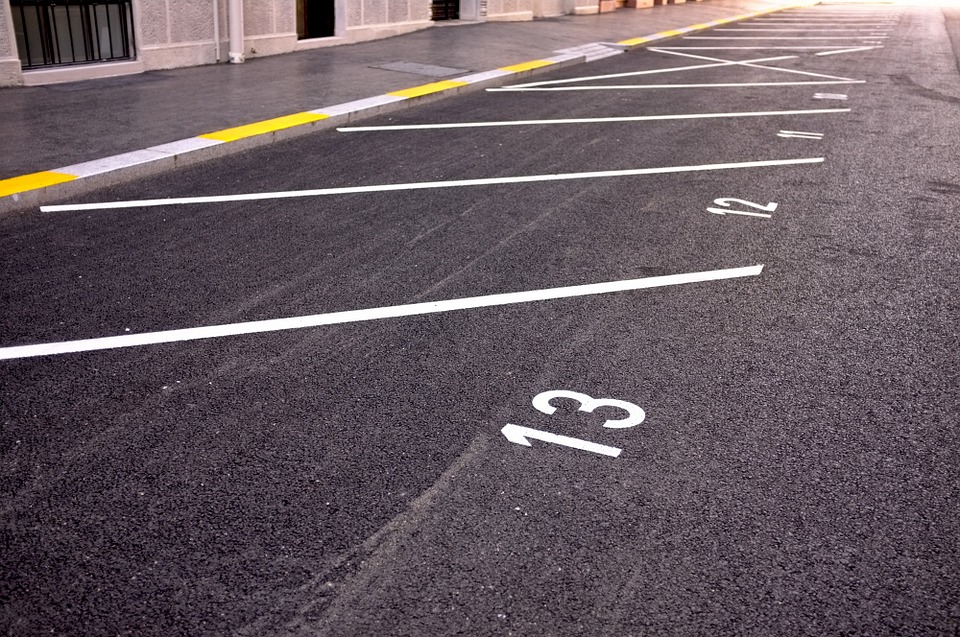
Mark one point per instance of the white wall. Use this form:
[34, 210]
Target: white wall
[178, 33]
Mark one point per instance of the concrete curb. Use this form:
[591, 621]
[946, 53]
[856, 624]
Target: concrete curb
[36, 189]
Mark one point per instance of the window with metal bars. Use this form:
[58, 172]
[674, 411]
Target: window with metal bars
[61, 32]
[445, 9]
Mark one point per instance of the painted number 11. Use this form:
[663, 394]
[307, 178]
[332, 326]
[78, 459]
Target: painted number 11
[523, 435]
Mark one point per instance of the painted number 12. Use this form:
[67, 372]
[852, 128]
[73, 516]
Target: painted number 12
[726, 210]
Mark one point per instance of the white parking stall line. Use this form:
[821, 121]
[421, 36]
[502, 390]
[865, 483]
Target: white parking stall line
[716, 63]
[798, 30]
[681, 52]
[424, 185]
[589, 120]
[629, 87]
[780, 37]
[754, 48]
[796, 17]
[372, 314]
[860, 48]
[799, 134]
[807, 23]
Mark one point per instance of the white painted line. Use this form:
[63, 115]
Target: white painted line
[860, 48]
[116, 162]
[596, 50]
[823, 11]
[825, 14]
[815, 21]
[795, 23]
[185, 145]
[622, 87]
[425, 185]
[563, 57]
[830, 96]
[483, 76]
[674, 51]
[754, 48]
[780, 37]
[354, 316]
[358, 105]
[793, 30]
[589, 120]
[799, 134]
[717, 63]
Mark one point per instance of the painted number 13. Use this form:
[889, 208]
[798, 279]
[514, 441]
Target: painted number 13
[523, 435]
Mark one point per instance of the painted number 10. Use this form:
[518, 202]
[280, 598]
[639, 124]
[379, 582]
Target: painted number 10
[727, 210]
[523, 435]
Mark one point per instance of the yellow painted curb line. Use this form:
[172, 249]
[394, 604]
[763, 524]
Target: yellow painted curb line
[635, 41]
[427, 89]
[15, 185]
[266, 126]
[526, 66]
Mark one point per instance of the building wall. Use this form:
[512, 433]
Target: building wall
[9, 61]
[178, 33]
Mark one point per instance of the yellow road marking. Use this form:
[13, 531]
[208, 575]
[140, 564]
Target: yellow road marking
[266, 126]
[32, 181]
[634, 41]
[526, 66]
[426, 89]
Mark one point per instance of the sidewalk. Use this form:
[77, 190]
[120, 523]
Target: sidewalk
[63, 139]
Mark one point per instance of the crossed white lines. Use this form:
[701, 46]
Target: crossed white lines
[554, 85]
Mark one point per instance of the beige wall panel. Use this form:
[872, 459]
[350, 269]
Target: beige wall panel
[363, 34]
[152, 19]
[261, 45]
[8, 43]
[354, 13]
[546, 8]
[10, 74]
[257, 17]
[586, 7]
[398, 11]
[171, 57]
[191, 21]
[286, 17]
[419, 10]
[374, 11]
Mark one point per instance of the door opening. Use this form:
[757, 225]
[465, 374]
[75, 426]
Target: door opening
[315, 19]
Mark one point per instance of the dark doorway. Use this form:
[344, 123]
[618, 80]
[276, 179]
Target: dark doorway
[315, 19]
[445, 9]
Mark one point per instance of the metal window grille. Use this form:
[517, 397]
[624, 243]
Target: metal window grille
[61, 32]
[445, 9]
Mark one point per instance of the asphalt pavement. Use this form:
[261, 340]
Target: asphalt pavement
[136, 125]
[676, 355]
